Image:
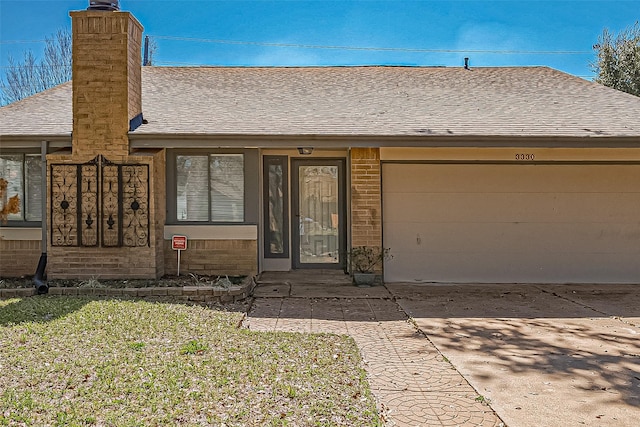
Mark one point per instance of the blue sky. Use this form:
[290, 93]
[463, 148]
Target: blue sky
[423, 33]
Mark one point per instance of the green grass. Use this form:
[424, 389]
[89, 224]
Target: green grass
[106, 362]
[481, 399]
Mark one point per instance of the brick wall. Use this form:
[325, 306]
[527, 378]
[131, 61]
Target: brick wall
[71, 262]
[106, 80]
[366, 207]
[214, 257]
[19, 257]
[107, 94]
[134, 68]
[101, 263]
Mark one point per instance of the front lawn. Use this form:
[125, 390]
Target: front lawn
[108, 362]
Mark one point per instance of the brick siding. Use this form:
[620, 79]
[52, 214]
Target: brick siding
[101, 263]
[69, 262]
[106, 81]
[106, 95]
[212, 257]
[366, 207]
[19, 257]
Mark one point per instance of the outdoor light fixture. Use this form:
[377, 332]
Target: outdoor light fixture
[305, 151]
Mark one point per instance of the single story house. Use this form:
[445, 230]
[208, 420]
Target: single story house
[484, 175]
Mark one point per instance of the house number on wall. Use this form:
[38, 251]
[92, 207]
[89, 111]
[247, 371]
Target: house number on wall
[529, 156]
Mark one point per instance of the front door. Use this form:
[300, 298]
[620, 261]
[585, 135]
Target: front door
[317, 213]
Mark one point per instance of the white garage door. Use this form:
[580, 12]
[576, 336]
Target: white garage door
[487, 223]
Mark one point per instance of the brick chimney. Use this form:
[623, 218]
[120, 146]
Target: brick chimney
[107, 88]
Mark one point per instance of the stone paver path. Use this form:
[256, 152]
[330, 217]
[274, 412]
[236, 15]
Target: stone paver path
[414, 384]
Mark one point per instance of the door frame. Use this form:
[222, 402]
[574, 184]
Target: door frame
[295, 214]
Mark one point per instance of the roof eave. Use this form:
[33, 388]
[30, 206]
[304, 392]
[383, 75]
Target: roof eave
[341, 141]
[33, 141]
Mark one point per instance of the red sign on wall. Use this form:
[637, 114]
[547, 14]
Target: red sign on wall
[179, 243]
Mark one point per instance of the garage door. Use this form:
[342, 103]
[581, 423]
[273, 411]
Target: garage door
[534, 223]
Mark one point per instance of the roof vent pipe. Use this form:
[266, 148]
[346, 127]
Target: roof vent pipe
[466, 63]
[103, 5]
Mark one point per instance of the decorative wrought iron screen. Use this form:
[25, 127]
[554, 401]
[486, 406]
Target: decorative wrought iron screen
[100, 203]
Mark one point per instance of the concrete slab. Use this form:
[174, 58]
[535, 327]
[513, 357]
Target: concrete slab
[543, 355]
[272, 290]
[612, 300]
[314, 284]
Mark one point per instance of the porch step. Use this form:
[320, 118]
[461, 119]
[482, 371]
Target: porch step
[313, 284]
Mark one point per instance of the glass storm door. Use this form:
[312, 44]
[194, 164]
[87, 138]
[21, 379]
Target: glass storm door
[318, 226]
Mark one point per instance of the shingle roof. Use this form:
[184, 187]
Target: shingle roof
[355, 101]
[46, 113]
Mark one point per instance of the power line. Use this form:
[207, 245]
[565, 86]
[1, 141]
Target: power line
[338, 47]
[311, 46]
[21, 41]
[36, 66]
[382, 49]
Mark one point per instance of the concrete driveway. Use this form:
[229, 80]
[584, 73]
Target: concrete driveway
[543, 355]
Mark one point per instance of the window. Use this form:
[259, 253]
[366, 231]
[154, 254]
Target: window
[210, 188]
[23, 173]
[276, 228]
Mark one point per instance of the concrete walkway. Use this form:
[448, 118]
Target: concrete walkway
[414, 384]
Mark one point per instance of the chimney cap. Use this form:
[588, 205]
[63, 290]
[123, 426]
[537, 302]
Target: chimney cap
[104, 5]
